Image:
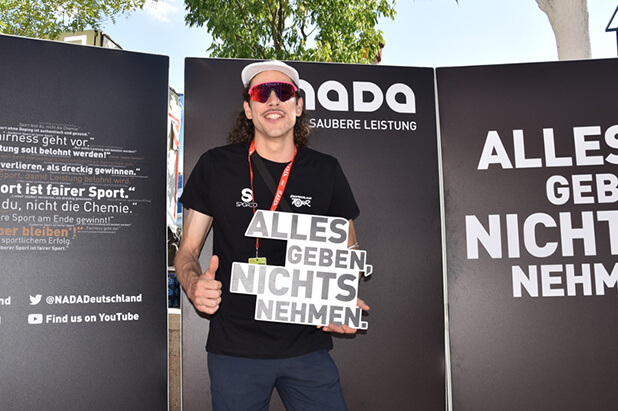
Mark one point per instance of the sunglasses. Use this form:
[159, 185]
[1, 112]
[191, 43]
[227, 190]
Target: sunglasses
[261, 92]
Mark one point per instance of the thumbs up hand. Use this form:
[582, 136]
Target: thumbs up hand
[206, 290]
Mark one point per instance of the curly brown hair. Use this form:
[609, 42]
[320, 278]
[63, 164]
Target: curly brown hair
[243, 130]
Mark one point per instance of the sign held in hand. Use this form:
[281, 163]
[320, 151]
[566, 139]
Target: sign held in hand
[318, 284]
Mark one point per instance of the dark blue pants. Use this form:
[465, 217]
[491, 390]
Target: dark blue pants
[306, 382]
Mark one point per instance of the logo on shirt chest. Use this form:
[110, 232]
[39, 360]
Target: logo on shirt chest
[246, 199]
[299, 201]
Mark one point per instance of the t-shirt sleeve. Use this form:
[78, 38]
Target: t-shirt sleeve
[196, 192]
[343, 203]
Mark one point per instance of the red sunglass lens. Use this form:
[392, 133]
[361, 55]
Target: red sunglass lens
[261, 92]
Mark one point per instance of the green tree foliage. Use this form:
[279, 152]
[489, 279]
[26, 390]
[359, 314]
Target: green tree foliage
[309, 30]
[49, 18]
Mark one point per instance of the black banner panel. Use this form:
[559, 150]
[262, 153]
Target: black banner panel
[83, 312]
[380, 123]
[530, 154]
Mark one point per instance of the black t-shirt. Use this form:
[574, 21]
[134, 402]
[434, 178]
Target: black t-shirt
[220, 186]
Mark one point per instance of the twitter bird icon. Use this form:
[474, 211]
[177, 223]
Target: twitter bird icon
[36, 299]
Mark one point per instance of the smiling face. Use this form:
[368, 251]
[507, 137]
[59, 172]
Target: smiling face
[274, 119]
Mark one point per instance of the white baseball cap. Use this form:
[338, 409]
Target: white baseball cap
[254, 69]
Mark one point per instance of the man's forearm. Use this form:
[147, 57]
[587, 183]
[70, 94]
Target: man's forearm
[188, 270]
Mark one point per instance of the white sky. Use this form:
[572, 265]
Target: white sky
[425, 33]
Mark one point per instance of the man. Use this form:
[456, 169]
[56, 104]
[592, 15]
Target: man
[247, 358]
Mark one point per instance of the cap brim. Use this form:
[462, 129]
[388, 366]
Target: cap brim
[254, 69]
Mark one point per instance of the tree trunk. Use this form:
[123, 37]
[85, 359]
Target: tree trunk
[569, 20]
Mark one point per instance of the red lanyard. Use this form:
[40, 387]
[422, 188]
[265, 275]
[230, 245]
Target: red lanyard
[283, 181]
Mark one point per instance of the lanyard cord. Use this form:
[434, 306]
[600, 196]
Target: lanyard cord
[283, 181]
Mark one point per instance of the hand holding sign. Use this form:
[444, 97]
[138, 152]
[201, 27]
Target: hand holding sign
[344, 328]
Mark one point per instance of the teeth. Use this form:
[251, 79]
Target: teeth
[273, 116]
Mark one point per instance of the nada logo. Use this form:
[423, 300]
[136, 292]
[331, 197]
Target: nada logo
[300, 201]
[35, 319]
[36, 299]
[246, 198]
[366, 97]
